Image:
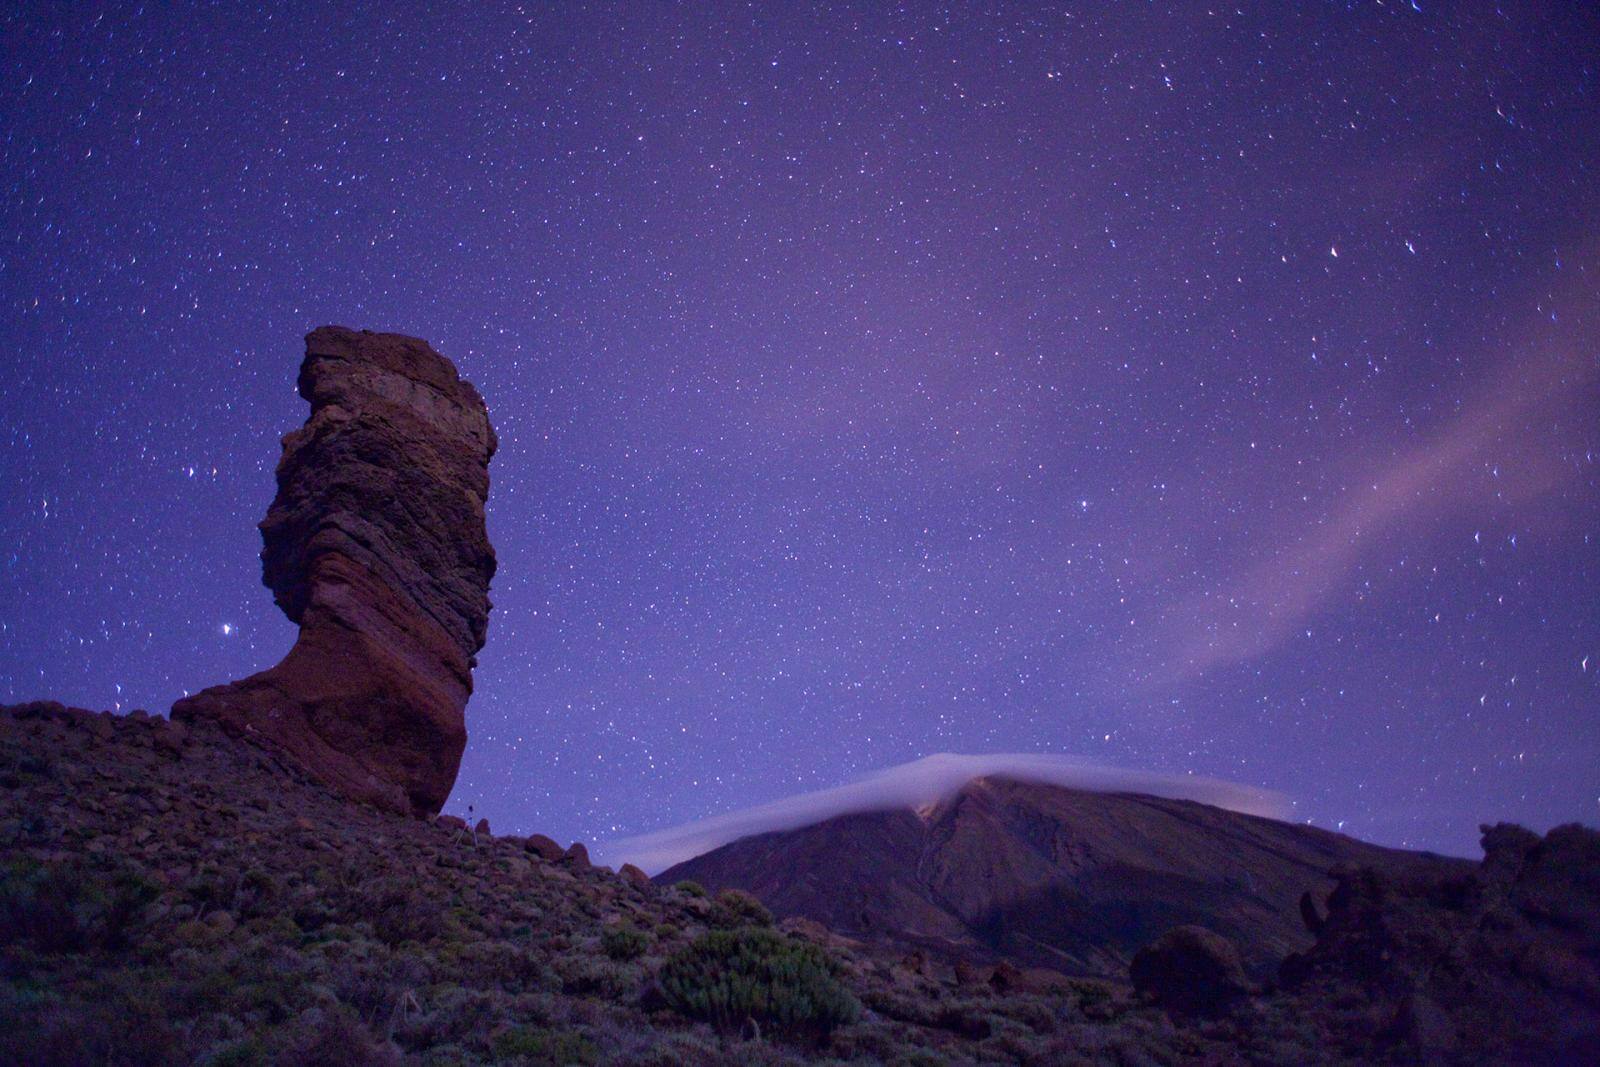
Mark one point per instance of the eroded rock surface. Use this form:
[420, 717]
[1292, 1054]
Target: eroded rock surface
[1494, 964]
[375, 545]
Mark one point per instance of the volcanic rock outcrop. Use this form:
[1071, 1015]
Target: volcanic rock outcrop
[375, 546]
[1497, 963]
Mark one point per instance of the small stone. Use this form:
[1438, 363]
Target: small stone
[172, 736]
[968, 974]
[1007, 978]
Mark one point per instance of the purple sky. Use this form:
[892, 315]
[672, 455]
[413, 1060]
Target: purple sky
[1185, 391]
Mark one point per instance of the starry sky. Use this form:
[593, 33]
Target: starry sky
[1178, 387]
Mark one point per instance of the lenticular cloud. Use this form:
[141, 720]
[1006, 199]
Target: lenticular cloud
[924, 782]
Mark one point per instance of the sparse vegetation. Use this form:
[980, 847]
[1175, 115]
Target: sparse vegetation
[734, 907]
[736, 978]
[215, 909]
[539, 1047]
[623, 942]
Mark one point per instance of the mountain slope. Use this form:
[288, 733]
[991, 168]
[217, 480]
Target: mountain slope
[1047, 876]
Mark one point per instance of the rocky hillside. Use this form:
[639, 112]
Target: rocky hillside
[173, 894]
[1047, 876]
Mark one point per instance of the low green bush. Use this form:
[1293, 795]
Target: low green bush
[734, 907]
[545, 1048]
[72, 906]
[623, 942]
[729, 978]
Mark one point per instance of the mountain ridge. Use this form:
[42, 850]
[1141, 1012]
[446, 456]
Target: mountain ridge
[1048, 876]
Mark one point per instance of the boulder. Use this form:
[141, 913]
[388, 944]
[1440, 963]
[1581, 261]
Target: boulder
[970, 974]
[543, 847]
[375, 545]
[633, 875]
[1191, 970]
[172, 736]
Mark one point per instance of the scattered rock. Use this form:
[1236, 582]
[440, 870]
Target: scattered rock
[375, 545]
[969, 974]
[806, 929]
[1190, 970]
[450, 822]
[172, 736]
[544, 847]
[1006, 977]
[1500, 963]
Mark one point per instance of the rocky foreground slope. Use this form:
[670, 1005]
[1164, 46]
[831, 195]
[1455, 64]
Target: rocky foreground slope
[375, 545]
[175, 894]
[1048, 876]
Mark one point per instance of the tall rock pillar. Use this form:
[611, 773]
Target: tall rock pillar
[375, 546]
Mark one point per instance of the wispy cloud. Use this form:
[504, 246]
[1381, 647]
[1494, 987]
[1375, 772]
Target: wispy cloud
[921, 783]
[1497, 451]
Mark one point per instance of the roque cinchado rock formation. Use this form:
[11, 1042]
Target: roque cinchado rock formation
[375, 546]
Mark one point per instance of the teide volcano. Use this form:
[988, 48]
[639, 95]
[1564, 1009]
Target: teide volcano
[1049, 876]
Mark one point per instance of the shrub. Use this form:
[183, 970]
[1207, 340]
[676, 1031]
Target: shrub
[690, 888]
[71, 906]
[587, 976]
[734, 907]
[546, 1048]
[623, 942]
[249, 1052]
[731, 977]
[400, 912]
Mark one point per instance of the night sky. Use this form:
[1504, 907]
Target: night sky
[1187, 390]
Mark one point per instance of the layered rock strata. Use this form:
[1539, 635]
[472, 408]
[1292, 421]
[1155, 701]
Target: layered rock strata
[375, 546]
